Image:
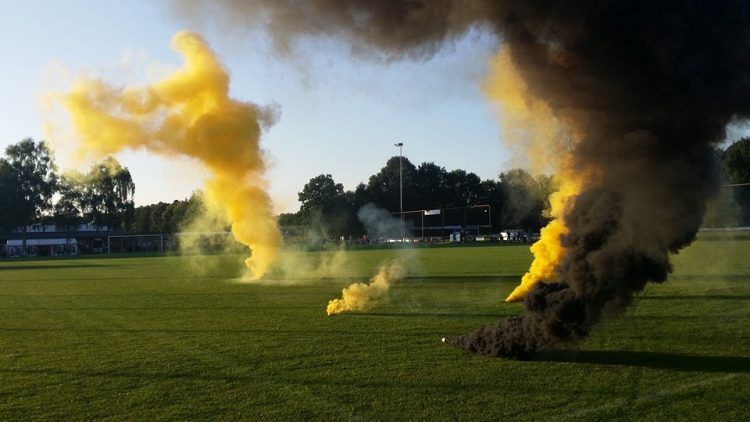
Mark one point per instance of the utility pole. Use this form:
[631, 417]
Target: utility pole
[400, 145]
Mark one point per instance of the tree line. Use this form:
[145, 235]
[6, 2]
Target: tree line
[517, 199]
[33, 192]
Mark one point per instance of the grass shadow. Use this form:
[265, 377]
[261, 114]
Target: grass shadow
[654, 360]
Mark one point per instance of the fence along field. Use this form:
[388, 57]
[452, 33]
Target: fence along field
[153, 336]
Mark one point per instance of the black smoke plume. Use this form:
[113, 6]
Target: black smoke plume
[650, 86]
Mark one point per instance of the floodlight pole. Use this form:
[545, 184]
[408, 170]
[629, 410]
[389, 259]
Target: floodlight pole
[400, 145]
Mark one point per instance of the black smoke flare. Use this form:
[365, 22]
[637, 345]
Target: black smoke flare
[650, 86]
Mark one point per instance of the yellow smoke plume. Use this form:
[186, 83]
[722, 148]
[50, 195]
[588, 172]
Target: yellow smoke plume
[299, 266]
[535, 135]
[533, 131]
[189, 113]
[358, 296]
[548, 252]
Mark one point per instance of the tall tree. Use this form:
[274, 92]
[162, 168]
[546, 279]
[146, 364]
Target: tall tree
[321, 194]
[166, 218]
[67, 214]
[463, 188]
[384, 186]
[736, 167]
[526, 199]
[35, 178]
[430, 186]
[11, 199]
[108, 195]
[325, 209]
[492, 193]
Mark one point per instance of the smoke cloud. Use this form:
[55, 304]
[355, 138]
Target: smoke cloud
[380, 224]
[359, 296]
[190, 114]
[301, 265]
[629, 96]
[387, 29]
[643, 92]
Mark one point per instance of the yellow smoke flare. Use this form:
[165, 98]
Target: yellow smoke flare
[189, 113]
[533, 131]
[357, 296]
[548, 252]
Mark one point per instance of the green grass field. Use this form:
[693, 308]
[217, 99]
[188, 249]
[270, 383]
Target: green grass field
[161, 338]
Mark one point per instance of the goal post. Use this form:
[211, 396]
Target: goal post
[472, 219]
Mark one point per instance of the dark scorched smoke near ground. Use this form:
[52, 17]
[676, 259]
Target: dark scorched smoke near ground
[648, 86]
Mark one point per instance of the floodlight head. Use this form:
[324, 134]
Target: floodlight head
[400, 144]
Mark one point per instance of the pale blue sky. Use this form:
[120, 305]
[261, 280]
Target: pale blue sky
[339, 115]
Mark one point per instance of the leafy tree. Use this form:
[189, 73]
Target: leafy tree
[11, 198]
[140, 222]
[462, 189]
[384, 186]
[166, 218]
[517, 199]
[181, 212]
[736, 161]
[149, 218]
[360, 196]
[108, 195]
[493, 194]
[326, 210]
[430, 185]
[355, 200]
[288, 219]
[34, 169]
[526, 199]
[67, 213]
[321, 194]
[736, 167]
[156, 215]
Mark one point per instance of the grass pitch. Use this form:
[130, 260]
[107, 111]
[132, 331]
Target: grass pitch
[154, 338]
